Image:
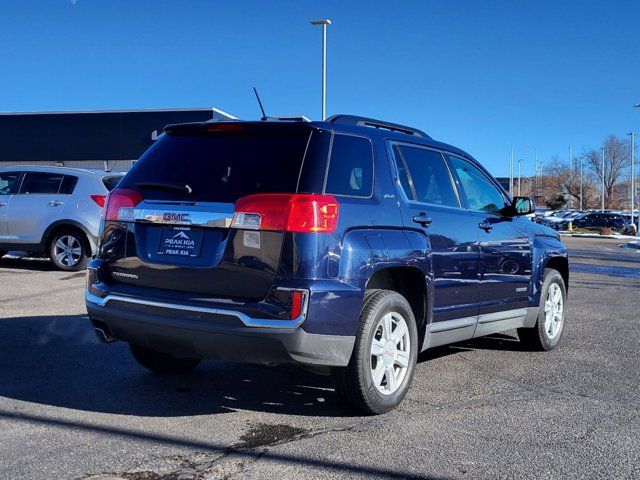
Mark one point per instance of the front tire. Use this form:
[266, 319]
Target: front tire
[159, 362]
[546, 333]
[384, 356]
[69, 250]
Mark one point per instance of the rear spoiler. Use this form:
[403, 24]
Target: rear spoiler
[200, 128]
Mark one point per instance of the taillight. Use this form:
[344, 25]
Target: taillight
[99, 199]
[307, 213]
[120, 203]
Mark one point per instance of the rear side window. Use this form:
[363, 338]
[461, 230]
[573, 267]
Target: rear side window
[9, 182]
[41, 183]
[424, 176]
[68, 184]
[350, 167]
[111, 182]
[220, 165]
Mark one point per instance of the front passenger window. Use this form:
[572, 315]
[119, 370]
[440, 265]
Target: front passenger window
[424, 176]
[481, 193]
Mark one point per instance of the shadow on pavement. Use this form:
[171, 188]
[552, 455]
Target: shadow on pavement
[57, 361]
[497, 341]
[243, 454]
[27, 263]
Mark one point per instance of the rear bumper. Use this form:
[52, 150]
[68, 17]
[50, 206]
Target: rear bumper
[215, 333]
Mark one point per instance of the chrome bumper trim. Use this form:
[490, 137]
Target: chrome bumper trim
[245, 319]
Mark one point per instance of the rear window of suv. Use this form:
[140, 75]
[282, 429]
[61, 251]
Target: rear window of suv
[221, 163]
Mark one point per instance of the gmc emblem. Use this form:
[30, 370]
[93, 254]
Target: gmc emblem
[175, 217]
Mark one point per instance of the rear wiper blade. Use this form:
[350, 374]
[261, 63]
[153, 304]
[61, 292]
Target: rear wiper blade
[174, 187]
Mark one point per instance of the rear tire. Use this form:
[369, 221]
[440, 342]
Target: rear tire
[69, 250]
[546, 333]
[159, 362]
[384, 356]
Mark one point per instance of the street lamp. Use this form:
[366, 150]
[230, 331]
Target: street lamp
[511, 183]
[580, 183]
[602, 206]
[537, 174]
[570, 176]
[324, 24]
[633, 175]
[632, 190]
[520, 177]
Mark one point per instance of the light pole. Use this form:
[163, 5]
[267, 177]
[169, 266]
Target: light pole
[638, 226]
[602, 206]
[571, 160]
[570, 183]
[537, 191]
[580, 183]
[324, 24]
[633, 174]
[520, 177]
[511, 173]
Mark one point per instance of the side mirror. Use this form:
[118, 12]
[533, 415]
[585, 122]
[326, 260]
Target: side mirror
[523, 206]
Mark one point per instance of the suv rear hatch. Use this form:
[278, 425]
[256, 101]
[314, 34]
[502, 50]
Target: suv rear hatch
[168, 222]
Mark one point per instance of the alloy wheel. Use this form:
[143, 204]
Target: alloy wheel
[67, 250]
[390, 353]
[554, 309]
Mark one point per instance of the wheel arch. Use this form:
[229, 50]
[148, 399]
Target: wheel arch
[409, 282]
[391, 259]
[548, 252]
[561, 264]
[68, 224]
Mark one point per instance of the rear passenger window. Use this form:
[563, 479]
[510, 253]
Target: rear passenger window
[68, 184]
[9, 182]
[350, 167]
[424, 176]
[40, 182]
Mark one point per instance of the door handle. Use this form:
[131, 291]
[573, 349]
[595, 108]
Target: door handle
[486, 226]
[55, 203]
[423, 219]
[2, 204]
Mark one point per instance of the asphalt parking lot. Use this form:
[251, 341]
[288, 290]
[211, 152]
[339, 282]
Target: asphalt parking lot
[71, 407]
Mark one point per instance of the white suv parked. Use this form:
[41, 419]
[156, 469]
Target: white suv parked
[53, 211]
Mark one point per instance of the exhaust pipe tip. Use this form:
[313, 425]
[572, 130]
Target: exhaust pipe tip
[102, 332]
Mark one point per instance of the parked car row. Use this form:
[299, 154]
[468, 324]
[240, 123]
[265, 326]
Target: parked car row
[590, 220]
[53, 212]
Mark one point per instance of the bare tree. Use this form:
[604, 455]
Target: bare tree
[617, 159]
[563, 180]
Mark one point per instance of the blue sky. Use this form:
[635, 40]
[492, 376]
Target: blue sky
[484, 76]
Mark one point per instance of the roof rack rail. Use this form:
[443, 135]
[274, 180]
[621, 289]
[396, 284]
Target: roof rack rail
[371, 122]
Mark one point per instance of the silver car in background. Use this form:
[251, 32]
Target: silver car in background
[55, 211]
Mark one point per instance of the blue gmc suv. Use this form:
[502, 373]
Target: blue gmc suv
[351, 244]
